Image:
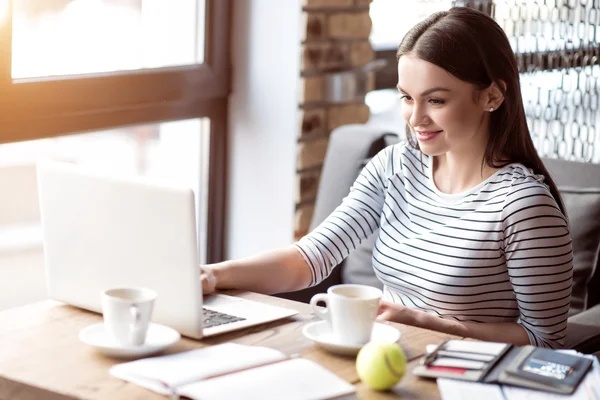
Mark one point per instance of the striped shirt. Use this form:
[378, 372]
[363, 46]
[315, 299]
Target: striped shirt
[499, 252]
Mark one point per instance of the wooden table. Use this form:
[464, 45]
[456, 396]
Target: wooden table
[41, 356]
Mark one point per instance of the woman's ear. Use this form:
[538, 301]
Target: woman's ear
[494, 96]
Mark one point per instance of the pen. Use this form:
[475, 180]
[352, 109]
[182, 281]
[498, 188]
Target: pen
[466, 355]
[428, 358]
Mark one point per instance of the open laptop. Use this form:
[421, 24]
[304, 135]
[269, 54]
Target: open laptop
[105, 232]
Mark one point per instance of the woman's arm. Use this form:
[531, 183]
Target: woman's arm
[313, 257]
[507, 332]
[539, 260]
[273, 271]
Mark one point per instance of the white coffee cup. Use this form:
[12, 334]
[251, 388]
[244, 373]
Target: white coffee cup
[127, 313]
[350, 310]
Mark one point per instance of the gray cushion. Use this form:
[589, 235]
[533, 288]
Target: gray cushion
[583, 331]
[573, 173]
[347, 150]
[583, 211]
[358, 267]
[347, 153]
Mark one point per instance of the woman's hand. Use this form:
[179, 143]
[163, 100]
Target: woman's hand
[395, 313]
[509, 332]
[208, 279]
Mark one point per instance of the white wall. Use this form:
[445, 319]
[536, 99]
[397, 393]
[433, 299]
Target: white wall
[263, 125]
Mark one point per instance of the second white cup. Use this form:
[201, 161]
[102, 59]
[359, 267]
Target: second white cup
[127, 313]
[350, 310]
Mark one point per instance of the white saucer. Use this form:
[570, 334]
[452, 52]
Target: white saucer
[320, 333]
[159, 337]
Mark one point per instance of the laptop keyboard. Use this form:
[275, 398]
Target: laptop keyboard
[215, 318]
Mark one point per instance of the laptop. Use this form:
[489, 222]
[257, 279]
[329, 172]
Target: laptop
[103, 232]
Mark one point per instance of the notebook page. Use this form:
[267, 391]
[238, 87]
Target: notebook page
[181, 368]
[492, 348]
[294, 379]
[451, 389]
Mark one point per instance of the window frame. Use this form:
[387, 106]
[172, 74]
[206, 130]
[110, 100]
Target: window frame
[35, 108]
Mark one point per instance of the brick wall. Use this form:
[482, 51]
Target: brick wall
[335, 38]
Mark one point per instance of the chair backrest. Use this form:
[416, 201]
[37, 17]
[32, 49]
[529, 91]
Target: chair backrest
[350, 148]
[579, 185]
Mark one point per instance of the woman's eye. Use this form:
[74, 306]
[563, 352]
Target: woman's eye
[436, 101]
[405, 98]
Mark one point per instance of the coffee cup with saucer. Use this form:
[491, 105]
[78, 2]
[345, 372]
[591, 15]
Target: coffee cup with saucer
[158, 338]
[320, 333]
[348, 319]
[126, 331]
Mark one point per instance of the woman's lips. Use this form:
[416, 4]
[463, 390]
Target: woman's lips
[424, 136]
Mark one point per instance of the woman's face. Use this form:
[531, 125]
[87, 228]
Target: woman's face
[444, 113]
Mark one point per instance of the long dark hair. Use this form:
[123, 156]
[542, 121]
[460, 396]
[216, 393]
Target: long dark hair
[473, 47]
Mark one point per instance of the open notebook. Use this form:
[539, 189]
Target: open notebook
[233, 371]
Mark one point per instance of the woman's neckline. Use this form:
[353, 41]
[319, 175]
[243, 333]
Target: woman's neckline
[453, 197]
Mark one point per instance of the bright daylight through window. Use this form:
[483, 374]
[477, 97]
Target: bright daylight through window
[123, 86]
[54, 37]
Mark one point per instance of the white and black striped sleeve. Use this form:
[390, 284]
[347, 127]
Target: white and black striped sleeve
[351, 222]
[539, 258]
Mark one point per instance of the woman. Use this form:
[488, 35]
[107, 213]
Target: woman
[473, 239]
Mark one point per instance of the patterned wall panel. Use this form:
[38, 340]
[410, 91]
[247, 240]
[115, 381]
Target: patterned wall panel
[557, 47]
[556, 43]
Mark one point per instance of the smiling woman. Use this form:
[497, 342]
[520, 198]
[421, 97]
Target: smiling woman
[472, 238]
[483, 74]
[449, 120]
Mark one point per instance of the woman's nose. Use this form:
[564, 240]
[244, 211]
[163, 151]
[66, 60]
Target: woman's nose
[417, 116]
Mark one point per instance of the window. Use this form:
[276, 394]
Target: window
[393, 18]
[86, 36]
[178, 69]
[174, 152]
[147, 78]
[391, 21]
